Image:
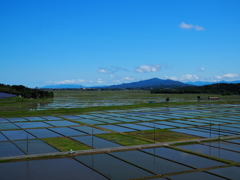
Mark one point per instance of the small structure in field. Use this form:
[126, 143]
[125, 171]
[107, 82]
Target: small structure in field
[213, 98]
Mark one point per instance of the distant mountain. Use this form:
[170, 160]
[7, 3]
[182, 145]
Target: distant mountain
[69, 86]
[150, 83]
[6, 95]
[101, 86]
[63, 86]
[202, 83]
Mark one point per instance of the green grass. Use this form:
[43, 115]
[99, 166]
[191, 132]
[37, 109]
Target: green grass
[123, 139]
[184, 143]
[161, 135]
[34, 158]
[65, 144]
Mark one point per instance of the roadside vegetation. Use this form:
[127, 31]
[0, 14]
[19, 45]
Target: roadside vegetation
[123, 139]
[161, 135]
[25, 92]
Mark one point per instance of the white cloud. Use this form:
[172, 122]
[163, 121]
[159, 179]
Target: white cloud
[117, 81]
[183, 25]
[128, 78]
[115, 69]
[110, 70]
[100, 82]
[103, 71]
[201, 69]
[166, 66]
[189, 77]
[227, 76]
[72, 81]
[147, 68]
[175, 78]
[124, 79]
[198, 28]
[192, 78]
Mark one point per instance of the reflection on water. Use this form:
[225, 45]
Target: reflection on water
[80, 99]
[196, 176]
[63, 103]
[182, 157]
[26, 106]
[48, 169]
[152, 163]
[213, 151]
[112, 167]
[228, 172]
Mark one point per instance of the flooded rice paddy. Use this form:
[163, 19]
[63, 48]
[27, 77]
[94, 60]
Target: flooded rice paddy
[43, 169]
[21, 136]
[83, 99]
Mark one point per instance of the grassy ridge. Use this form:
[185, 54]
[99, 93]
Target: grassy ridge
[161, 135]
[123, 139]
[65, 144]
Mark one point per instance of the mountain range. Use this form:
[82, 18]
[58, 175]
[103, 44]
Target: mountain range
[68, 86]
[62, 86]
[150, 83]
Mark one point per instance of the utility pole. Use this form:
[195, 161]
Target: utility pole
[27, 143]
[219, 131]
[154, 133]
[92, 137]
[210, 128]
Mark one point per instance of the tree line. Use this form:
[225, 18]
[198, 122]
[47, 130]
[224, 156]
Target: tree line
[219, 88]
[25, 91]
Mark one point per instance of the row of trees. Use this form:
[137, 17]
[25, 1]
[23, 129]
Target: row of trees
[25, 91]
[220, 88]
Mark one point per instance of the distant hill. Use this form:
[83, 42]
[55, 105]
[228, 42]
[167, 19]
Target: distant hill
[69, 86]
[202, 83]
[24, 92]
[6, 95]
[150, 83]
[62, 86]
[218, 88]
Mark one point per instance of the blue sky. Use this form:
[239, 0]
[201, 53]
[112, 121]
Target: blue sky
[105, 42]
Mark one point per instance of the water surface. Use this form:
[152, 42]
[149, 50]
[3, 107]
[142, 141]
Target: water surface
[95, 142]
[232, 172]
[18, 134]
[213, 151]
[35, 146]
[113, 167]
[59, 169]
[184, 158]
[150, 162]
[195, 176]
[9, 149]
